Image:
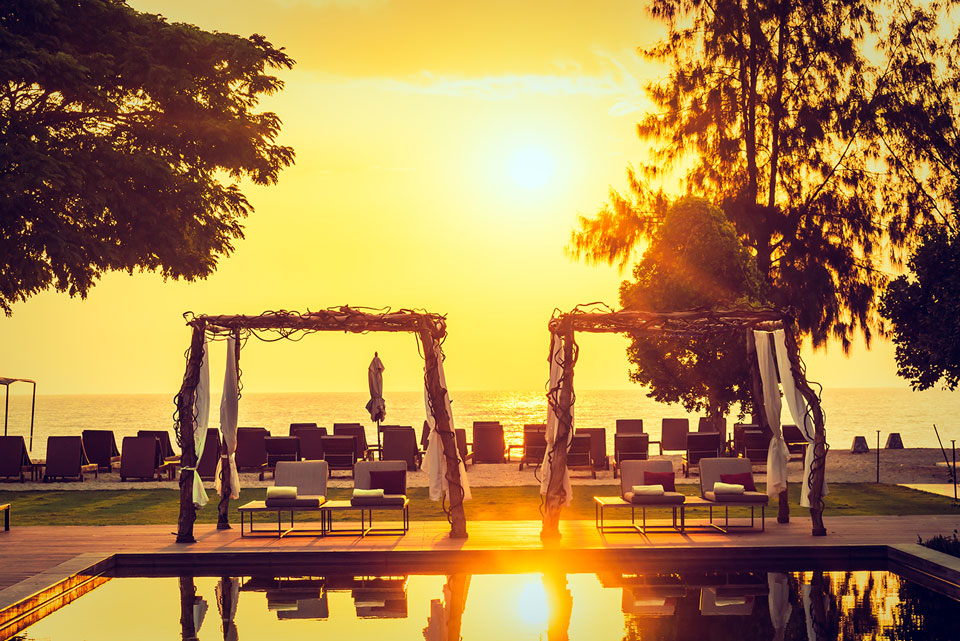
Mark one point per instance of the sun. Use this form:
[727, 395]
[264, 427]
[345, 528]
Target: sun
[530, 167]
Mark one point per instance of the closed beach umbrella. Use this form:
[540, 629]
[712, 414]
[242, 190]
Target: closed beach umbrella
[376, 405]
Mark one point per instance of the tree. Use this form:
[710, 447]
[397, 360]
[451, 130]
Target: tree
[924, 312]
[774, 111]
[122, 137]
[695, 260]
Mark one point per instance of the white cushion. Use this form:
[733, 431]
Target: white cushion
[727, 488]
[282, 492]
[647, 490]
[378, 493]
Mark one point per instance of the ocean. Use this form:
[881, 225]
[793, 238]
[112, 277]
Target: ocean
[849, 412]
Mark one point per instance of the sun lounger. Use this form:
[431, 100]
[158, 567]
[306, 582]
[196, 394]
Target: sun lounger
[488, 443]
[207, 466]
[735, 471]
[673, 435]
[251, 448]
[629, 426]
[360, 437]
[796, 443]
[141, 457]
[381, 598]
[166, 447]
[755, 446]
[294, 427]
[280, 448]
[310, 480]
[636, 473]
[101, 448]
[14, 458]
[598, 446]
[718, 425]
[629, 447]
[340, 452]
[390, 477]
[578, 454]
[701, 445]
[400, 444]
[534, 446]
[311, 443]
[5, 508]
[66, 459]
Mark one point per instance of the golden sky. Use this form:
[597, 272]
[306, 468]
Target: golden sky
[444, 150]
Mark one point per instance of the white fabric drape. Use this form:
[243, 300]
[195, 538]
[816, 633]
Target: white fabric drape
[800, 413]
[434, 461]
[778, 601]
[229, 411]
[777, 453]
[553, 421]
[201, 405]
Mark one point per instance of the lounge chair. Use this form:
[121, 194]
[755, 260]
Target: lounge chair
[311, 443]
[534, 446]
[207, 467]
[701, 445]
[280, 448]
[294, 427]
[629, 426]
[390, 477]
[578, 454]
[310, 480]
[400, 444]
[796, 443]
[340, 452]
[66, 459]
[755, 446]
[488, 443]
[635, 473]
[629, 447]
[718, 425]
[735, 471]
[141, 457]
[101, 448]
[673, 435]
[251, 448]
[166, 447]
[598, 446]
[381, 598]
[360, 437]
[14, 458]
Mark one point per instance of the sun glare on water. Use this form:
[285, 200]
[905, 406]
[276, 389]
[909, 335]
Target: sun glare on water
[530, 167]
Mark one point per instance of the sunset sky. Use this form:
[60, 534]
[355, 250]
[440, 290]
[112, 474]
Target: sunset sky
[444, 150]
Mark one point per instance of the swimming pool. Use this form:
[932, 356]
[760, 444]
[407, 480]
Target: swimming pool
[811, 605]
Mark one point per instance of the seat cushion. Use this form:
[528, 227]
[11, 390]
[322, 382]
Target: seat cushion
[667, 498]
[750, 498]
[387, 500]
[302, 501]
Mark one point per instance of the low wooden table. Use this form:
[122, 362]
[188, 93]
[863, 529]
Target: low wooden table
[5, 508]
[258, 507]
[602, 503]
[366, 511]
[699, 502]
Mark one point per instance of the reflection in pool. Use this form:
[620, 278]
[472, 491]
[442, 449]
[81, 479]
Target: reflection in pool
[808, 606]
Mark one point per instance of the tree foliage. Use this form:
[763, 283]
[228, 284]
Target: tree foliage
[122, 139]
[695, 260]
[784, 113]
[924, 312]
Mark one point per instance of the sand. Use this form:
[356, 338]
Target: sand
[907, 467]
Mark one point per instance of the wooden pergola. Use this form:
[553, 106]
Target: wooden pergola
[596, 318]
[431, 329]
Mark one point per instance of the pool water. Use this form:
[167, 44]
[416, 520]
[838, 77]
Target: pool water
[808, 606]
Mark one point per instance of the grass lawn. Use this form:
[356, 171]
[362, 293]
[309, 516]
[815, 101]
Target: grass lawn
[138, 507]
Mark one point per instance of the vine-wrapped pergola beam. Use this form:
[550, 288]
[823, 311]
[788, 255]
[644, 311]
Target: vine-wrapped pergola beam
[286, 324]
[688, 323]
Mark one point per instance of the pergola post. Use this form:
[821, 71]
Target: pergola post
[438, 402]
[188, 458]
[223, 507]
[818, 467]
[556, 495]
[760, 416]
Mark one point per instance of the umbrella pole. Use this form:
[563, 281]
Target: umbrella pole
[379, 444]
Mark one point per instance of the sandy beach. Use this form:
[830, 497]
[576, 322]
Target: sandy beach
[907, 467]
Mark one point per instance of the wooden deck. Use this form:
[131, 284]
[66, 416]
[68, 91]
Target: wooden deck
[29, 551]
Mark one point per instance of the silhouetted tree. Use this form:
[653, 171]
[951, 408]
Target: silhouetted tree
[121, 138]
[774, 111]
[695, 260]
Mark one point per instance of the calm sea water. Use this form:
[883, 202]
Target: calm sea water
[849, 412]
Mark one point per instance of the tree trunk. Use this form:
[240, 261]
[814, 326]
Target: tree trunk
[188, 596]
[438, 396]
[553, 503]
[818, 469]
[776, 103]
[188, 456]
